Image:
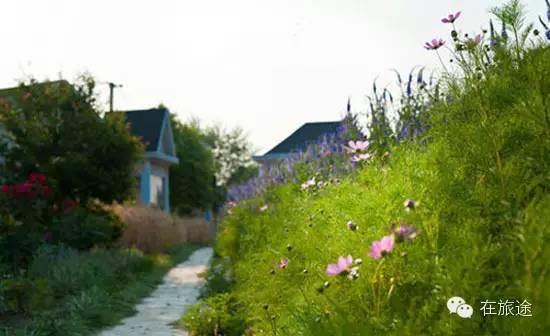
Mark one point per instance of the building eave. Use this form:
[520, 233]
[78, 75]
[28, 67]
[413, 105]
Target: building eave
[162, 157]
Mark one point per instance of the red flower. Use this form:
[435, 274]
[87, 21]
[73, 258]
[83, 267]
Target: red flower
[6, 189]
[69, 205]
[47, 191]
[37, 177]
[23, 188]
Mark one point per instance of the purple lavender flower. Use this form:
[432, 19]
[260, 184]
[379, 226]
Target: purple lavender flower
[409, 85]
[504, 33]
[494, 42]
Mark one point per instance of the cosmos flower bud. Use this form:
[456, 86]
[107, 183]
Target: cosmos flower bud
[409, 204]
[283, 263]
[353, 273]
[352, 225]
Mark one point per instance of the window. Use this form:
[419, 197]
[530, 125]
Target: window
[158, 188]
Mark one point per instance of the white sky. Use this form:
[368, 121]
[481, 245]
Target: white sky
[265, 65]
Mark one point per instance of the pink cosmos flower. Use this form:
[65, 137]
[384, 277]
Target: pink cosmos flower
[356, 146]
[228, 206]
[404, 232]
[360, 157]
[451, 18]
[472, 43]
[283, 263]
[434, 44]
[381, 247]
[308, 183]
[342, 266]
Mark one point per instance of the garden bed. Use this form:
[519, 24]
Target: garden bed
[65, 292]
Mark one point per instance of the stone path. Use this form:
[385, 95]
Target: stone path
[168, 302]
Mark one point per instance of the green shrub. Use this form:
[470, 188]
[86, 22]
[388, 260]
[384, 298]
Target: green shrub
[82, 228]
[217, 315]
[20, 295]
[192, 180]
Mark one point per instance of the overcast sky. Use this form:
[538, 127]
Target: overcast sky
[265, 65]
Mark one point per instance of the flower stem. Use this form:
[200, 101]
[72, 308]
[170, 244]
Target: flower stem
[441, 60]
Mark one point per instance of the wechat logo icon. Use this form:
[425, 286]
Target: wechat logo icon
[457, 305]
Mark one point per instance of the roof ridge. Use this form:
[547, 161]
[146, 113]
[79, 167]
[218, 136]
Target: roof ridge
[309, 131]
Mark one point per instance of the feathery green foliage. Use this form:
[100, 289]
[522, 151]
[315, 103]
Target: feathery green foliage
[481, 177]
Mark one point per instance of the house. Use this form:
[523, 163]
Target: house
[303, 136]
[153, 172]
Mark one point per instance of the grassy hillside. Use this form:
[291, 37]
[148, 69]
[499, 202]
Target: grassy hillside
[480, 180]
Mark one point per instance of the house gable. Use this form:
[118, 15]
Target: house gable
[153, 128]
[166, 143]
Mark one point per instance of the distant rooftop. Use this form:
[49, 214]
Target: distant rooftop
[147, 125]
[308, 133]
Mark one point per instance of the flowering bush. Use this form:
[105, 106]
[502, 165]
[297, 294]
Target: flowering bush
[33, 187]
[232, 154]
[26, 209]
[56, 128]
[32, 214]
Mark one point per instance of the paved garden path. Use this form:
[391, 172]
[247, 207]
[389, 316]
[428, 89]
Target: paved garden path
[168, 302]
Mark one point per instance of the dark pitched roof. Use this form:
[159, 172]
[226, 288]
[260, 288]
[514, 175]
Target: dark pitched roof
[308, 133]
[147, 125]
